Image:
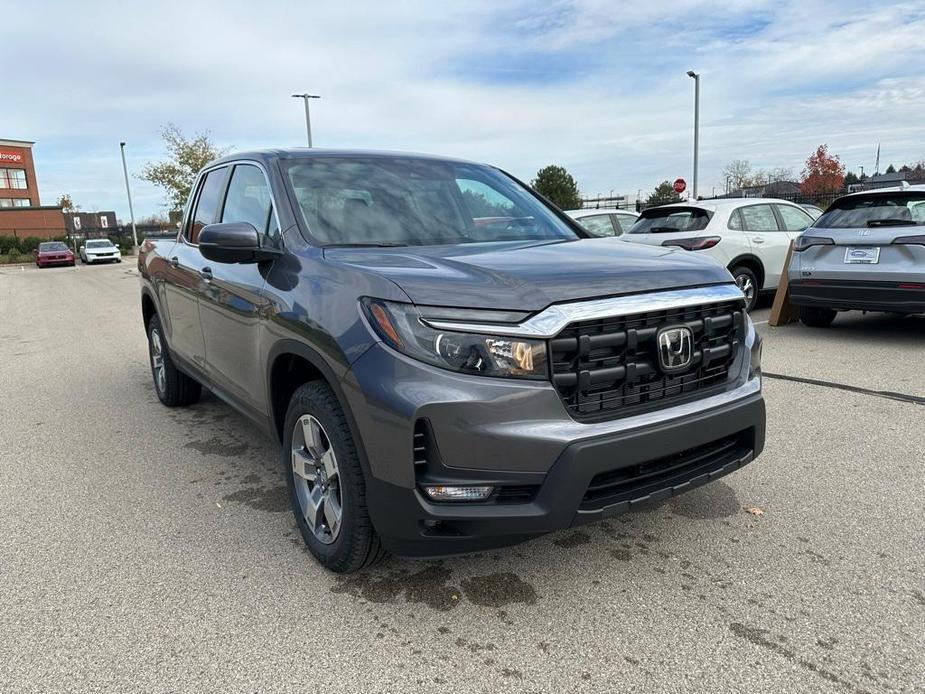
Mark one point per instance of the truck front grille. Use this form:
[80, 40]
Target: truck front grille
[609, 367]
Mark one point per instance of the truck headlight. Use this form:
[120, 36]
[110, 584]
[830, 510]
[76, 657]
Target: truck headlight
[400, 326]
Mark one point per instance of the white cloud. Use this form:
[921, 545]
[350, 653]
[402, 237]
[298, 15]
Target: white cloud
[597, 87]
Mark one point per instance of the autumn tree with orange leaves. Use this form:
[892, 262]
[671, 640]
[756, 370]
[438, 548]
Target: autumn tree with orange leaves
[824, 173]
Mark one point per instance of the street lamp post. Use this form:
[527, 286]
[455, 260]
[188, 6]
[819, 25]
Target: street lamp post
[308, 118]
[128, 192]
[691, 73]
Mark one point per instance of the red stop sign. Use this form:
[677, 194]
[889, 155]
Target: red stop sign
[680, 185]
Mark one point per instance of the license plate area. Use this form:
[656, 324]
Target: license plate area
[862, 255]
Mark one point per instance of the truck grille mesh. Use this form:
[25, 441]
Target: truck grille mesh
[609, 367]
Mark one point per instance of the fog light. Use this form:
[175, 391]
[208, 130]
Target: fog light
[444, 493]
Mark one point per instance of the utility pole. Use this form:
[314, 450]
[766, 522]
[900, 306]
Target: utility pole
[128, 192]
[308, 118]
[691, 73]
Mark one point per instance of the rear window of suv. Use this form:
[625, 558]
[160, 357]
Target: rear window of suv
[875, 210]
[669, 219]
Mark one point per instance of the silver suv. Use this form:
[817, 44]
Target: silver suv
[867, 253]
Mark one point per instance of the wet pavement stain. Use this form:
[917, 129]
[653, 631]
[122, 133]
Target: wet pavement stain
[273, 499]
[574, 540]
[498, 590]
[218, 446]
[759, 637]
[716, 500]
[621, 554]
[427, 586]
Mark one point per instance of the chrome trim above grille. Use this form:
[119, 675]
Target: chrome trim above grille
[552, 320]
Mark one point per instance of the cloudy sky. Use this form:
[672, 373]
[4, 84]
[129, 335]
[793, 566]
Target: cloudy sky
[598, 86]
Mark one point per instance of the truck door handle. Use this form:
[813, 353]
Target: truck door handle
[175, 261]
[206, 273]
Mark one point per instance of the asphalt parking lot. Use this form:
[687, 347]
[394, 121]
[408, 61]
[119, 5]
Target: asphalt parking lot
[147, 549]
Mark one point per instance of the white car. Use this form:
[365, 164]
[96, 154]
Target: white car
[604, 222]
[99, 250]
[750, 236]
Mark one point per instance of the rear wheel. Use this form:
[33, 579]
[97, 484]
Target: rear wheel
[174, 388]
[817, 317]
[327, 488]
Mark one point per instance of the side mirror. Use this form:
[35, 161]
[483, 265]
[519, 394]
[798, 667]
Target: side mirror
[233, 242]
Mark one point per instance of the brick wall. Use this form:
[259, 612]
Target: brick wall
[44, 222]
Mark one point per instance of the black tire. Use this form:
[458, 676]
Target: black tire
[817, 317]
[175, 389]
[748, 283]
[356, 544]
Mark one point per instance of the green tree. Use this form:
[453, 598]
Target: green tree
[851, 178]
[890, 169]
[557, 185]
[663, 194]
[185, 157]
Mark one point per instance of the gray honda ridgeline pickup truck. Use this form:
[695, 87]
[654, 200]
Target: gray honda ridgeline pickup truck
[448, 362]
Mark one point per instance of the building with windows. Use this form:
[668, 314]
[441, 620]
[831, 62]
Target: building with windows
[21, 211]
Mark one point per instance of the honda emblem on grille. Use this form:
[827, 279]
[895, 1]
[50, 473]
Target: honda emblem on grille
[675, 348]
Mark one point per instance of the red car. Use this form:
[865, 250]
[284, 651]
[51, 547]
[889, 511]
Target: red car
[54, 253]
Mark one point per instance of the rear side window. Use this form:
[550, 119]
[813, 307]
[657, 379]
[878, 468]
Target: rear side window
[598, 225]
[759, 218]
[794, 219]
[623, 222]
[248, 198]
[668, 219]
[210, 196]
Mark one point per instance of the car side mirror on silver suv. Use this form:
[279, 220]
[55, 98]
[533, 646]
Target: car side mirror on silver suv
[233, 242]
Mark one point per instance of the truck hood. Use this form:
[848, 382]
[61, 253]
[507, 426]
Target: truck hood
[529, 276]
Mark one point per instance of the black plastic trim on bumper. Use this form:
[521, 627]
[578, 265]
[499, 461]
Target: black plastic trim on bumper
[858, 296]
[410, 525]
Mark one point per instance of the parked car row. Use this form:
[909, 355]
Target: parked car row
[51, 253]
[866, 259]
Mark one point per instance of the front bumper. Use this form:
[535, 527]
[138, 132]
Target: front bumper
[853, 295]
[517, 436]
[576, 489]
[103, 258]
[48, 262]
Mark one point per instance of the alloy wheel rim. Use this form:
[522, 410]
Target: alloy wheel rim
[744, 282]
[317, 479]
[157, 361]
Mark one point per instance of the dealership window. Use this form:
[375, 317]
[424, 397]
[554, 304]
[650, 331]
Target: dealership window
[15, 202]
[13, 178]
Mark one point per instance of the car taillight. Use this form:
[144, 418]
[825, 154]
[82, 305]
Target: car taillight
[804, 242]
[912, 240]
[695, 244]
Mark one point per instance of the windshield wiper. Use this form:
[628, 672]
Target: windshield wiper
[890, 222]
[381, 244]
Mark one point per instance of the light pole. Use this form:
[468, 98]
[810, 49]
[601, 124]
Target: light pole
[691, 73]
[308, 118]
[128, 192]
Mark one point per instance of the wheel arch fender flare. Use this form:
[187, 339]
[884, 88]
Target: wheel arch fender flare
[287, 347]
[752, 262]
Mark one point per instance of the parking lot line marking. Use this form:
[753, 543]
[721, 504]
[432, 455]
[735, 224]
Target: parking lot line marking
[760, 322]
[890, 395]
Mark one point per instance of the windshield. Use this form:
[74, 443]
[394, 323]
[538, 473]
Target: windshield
[52, 246]
[105, 243]
[893, 209]
[667, 219]
[399, 201]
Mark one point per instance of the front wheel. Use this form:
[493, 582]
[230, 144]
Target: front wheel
[327, 488]
[174, 388]
[817, 317]
[748, 283]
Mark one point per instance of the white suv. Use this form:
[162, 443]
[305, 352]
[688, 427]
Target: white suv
[750, 236]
